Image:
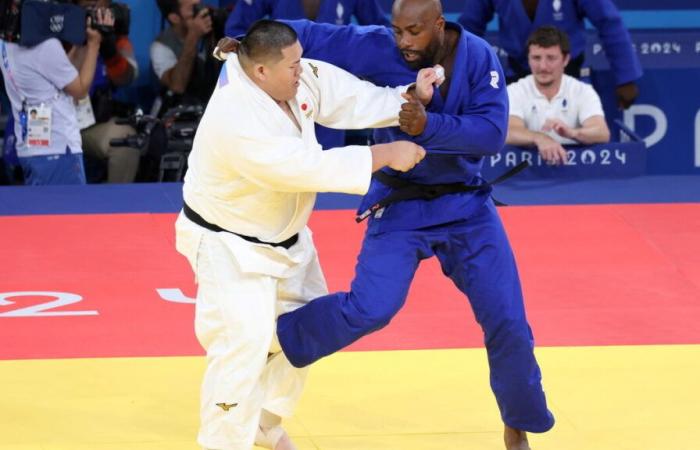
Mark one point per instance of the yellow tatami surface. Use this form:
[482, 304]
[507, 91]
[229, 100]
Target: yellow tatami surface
[604, 398]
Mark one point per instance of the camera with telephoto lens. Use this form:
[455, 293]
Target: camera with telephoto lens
[31, 22]
[161, 140]
[181, 124]
[122, 19]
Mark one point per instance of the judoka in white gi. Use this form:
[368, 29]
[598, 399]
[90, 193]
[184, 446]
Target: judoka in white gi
[254, 171]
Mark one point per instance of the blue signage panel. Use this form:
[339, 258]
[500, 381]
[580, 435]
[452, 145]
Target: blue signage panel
[667, 112]
[612, 160]
[657, 49]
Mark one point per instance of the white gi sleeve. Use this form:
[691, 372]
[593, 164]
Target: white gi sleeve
[344, 101]
[285, 164]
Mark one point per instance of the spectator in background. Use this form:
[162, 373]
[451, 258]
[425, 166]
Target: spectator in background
[339, 12]
[181, 54]
[42, 77]
[116, 67]
[517, 19]
[549, 108]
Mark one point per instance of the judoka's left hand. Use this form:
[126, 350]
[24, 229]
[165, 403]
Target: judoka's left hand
[425, 82]
[225, 46]
[412, 118]
[626, 94]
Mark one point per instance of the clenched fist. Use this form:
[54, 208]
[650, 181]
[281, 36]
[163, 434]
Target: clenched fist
[412, 118]
[225, 46]
[399, 155]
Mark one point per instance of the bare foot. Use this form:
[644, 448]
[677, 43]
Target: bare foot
[285, 443]
[515, 439]
[274, 438]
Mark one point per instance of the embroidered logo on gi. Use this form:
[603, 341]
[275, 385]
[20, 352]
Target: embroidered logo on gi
[226, 406]
[495, 77]
[558, 15]
[339, 12]
[304, 108]
[314, 69]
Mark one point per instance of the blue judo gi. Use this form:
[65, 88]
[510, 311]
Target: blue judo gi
[339, 12]
[514, 27]
[462, 230]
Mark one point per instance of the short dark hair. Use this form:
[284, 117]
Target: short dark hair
[265, 39]
[168, 6]
[549, 36]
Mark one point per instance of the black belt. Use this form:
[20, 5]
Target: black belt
[196, 218]
[406, 190]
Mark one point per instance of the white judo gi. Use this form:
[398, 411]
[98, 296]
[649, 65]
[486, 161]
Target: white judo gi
[254, 173]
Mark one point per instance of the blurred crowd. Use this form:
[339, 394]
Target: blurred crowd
[63, 120]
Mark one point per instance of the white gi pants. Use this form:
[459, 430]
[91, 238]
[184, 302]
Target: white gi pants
[242, 288]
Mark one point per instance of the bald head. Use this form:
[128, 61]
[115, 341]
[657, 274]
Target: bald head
[417, 9]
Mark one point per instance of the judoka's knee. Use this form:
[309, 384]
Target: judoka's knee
[372, 315]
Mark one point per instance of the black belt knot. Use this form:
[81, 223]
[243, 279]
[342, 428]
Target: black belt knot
[406, 190]
[196, 218]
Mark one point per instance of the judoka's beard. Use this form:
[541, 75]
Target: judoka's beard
[423, 58]
[421, 61]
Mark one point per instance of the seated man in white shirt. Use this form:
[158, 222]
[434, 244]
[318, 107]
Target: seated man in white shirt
[549, 108]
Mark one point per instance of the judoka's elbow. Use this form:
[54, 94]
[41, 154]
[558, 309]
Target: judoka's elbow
[493, 141]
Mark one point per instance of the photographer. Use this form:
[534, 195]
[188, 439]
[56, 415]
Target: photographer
[39, 76]
[181, 54]
[116, 67]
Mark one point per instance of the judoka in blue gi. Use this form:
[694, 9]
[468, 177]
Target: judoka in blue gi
[465, 121]
[517, 19]
[339, 12]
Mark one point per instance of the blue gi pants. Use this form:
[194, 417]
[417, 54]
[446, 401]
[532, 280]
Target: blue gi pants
[476, 256]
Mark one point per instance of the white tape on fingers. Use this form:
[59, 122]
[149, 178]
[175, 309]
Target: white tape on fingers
[440, 72]
[218, 54]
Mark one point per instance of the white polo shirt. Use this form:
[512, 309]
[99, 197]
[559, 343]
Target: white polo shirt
[575, 102]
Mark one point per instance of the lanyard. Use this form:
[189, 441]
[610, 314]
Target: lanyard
[8, 71]
[23, 111]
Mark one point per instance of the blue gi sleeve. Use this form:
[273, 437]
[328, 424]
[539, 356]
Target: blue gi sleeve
[476, 15]
[481, 128]
[369, 12]
[243, 16]
[359, 50]
[615, 38]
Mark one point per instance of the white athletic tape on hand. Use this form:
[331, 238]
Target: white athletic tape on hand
[440, 72]
[218, 54]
